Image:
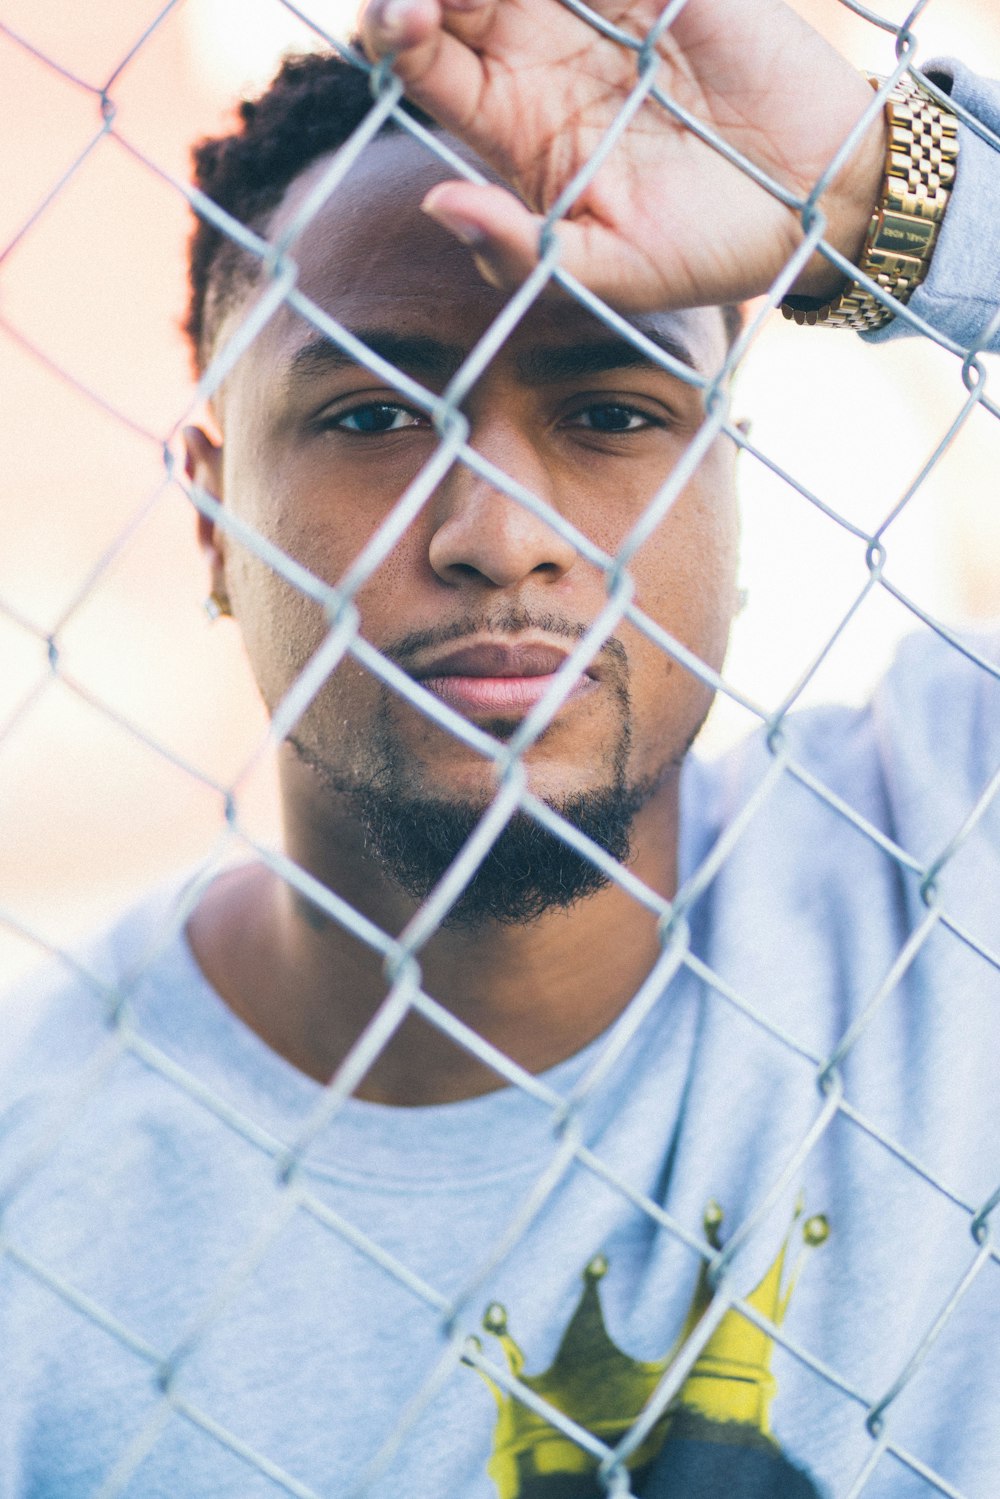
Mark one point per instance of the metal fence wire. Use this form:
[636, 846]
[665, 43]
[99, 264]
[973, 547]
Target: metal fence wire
[888, 1446]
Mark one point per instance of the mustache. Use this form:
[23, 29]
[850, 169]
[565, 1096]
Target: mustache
[511, 622]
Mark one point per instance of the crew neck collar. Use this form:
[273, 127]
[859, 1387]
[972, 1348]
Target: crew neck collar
[488, 1137]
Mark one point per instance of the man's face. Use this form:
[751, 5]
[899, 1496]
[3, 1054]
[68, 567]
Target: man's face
[479, 599]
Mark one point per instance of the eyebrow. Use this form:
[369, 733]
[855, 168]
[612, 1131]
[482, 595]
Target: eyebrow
[548, 364]
[423, 358]
[432, 361]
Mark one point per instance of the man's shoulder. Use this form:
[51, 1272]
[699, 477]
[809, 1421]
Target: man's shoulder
[911, 759]
[939, 699]
[59, 1018]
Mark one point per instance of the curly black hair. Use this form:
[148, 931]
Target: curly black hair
[314, 103]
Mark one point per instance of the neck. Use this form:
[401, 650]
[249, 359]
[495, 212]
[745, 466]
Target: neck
[538, 991]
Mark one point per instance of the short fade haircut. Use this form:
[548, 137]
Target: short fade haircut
[313, 105]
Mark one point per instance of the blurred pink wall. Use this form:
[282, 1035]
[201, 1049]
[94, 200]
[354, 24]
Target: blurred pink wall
[97, 284]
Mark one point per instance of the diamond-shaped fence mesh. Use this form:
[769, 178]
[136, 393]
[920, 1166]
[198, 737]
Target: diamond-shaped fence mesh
[770, 1098]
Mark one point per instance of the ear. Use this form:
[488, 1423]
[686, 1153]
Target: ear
[203, 466]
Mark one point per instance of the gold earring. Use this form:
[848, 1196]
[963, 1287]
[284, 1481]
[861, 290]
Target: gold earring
[217, 606]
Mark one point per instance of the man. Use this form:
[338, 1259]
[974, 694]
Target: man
[607, 1105]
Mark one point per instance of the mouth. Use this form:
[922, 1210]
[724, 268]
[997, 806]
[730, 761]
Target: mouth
[498, 679]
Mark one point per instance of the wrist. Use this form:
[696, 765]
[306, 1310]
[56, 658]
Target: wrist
[918, 173]
[849, 205]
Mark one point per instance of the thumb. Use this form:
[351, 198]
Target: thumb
[502, 234]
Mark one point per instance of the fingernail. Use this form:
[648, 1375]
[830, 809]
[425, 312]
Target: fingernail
[391, 17]
[457, 224]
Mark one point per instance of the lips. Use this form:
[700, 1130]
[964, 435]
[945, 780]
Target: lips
[496, 678]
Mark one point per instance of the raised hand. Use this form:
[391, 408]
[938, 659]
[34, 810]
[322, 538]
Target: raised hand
[667, 221]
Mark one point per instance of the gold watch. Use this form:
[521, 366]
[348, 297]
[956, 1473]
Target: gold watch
[919, 174]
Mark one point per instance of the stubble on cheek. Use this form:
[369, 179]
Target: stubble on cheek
[283, 629]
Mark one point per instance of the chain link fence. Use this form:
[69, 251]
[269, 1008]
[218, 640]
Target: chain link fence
[43, 642]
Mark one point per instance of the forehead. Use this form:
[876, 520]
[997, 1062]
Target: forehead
[373, 261]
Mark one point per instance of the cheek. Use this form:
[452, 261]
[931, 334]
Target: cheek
[686, 573]
[398, 589]
[685, 577]
[318, 510]
[281, 627]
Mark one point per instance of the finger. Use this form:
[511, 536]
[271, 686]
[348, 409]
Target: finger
[387, 26]
[439, 72]
[409, 27]
[470, 21]
[504, 237]
[496, 226]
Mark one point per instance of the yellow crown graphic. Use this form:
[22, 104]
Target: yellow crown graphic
[604, 1390]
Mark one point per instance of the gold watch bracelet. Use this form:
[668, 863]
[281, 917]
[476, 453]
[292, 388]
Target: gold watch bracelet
[920, 164]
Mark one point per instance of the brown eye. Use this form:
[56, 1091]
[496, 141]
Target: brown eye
[611, 417]
[376, 417]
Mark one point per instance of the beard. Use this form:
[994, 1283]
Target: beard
[528, 871]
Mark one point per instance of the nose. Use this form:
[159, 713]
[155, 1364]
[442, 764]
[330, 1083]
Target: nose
[482, 534]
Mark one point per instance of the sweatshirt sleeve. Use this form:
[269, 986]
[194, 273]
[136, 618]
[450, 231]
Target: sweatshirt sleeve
[961, 292]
